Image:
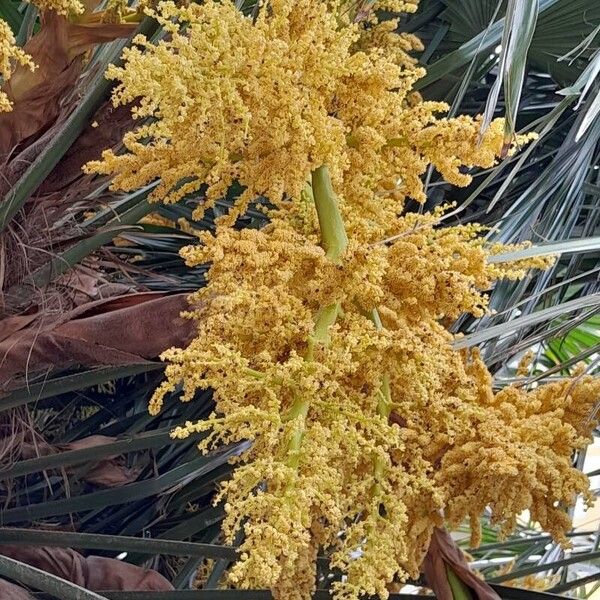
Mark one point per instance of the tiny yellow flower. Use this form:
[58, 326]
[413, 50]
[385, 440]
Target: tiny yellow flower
[10, 53]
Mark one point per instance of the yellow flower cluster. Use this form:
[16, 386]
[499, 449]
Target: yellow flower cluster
[520, 453]
[9, 52]
[398, 6]
[450, 445]
[266, 103]
[365, 10]
[322, 333]
[62, 7]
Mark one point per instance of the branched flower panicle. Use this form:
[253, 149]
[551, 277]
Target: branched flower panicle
[62, 7]
[322, 333]
[9, 52]
[267, 103]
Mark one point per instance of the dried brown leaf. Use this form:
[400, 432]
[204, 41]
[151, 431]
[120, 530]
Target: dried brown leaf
[11, 325]
[10, 591]
[58, 50]
[128, 329]
[109, 471]
[95, 573]
[442, 553]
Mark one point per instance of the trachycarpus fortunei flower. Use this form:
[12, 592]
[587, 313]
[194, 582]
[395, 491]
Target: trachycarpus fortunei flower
[321, 333]
[10, 54]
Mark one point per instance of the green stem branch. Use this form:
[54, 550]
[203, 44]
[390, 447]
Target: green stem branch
[334, 241]
[333, 233]
[459, 590]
